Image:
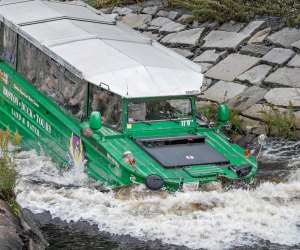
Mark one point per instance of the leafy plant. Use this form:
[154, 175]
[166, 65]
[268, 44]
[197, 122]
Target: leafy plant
[282, 121]
[111, 3]
[7, 163]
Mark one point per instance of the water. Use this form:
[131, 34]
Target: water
[75, 212]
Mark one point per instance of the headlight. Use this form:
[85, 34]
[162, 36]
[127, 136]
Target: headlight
[128, 157]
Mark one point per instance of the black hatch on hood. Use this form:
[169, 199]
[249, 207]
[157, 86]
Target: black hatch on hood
[180, 151]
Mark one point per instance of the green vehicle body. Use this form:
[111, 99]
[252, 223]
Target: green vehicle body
[48, 128]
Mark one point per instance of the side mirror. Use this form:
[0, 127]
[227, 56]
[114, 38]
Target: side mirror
[95, 120]
[223, 113]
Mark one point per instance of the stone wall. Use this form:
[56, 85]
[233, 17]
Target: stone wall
[252, 63]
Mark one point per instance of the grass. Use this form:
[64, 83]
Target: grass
[223, 10]
[8, 167]
[280, 121]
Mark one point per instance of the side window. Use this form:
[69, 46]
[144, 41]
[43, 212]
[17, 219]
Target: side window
[8, 46]
[53, 79]
[108, 104]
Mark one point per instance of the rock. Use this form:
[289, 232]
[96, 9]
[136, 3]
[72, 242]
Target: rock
[295, 62]
[10, 229]
[205, 67]
[163, 13]
[210, 56]
[248, 124]
[232, 26]
[187, 37]
[223, 40]
[248, 98]
[278, 56]
[285, 37]
[223, 91]
[283, 96]
[155, 37]
[106, 10]
[184, 52]
[114, 15]
[252, 27]
[231, 67]
[296, 45]
[173, 15]
[210, 25]
[171, 27]
[136, 21]
[285, 76]
[256, 75]
[255, 50]
[260, 36]
[151, 10]
[256, 111]
[122, 11]
[160, 22]
[187, 19]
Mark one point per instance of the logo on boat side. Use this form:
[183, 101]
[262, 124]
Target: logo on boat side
[190, 157]
[3, 76]
[76, 152]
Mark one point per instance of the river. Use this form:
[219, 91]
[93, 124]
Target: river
[75, 212]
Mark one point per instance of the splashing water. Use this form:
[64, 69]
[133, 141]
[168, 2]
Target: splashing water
[211, 220]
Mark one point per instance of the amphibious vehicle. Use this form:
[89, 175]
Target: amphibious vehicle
[86, 89]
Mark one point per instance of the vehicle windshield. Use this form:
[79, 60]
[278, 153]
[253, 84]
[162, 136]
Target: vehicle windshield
[159, 110]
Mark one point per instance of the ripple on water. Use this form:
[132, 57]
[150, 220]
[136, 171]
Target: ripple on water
[217, 219]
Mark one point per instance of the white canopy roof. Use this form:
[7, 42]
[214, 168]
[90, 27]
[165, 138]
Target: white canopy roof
[101, 51]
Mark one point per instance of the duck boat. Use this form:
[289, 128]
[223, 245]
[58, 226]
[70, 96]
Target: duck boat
[85, 89]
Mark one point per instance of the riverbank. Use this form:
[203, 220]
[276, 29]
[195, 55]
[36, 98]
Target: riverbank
[18, 231]
[254, 66]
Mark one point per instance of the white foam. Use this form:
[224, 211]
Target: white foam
[211, 220]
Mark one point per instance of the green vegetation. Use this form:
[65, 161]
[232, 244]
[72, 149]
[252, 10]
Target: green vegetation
[280, 121]
[223, 10]
[210, 111]
[8, 167]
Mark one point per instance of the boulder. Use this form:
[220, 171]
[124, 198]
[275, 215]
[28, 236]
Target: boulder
[163, 13]
[247, 98]
[171, 27]
[136, 21]
[205, 67]
[151, 10]
[160, 21]
[223, 40]
[231, 67]
[173, 15]
[296, 45]
[285, 37]
[295, 62]
[223, 91]
[257, 111]
[10, 229]
[187, 37]
[289, 77]
[122, 11]
[114, 15]
[256, 75]
[232, 26]
[260, 36]
[252, 27]
[151, 35]
[255, 50]
[184, 52]
[210, 56]
[283, 96]
[278, 56]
